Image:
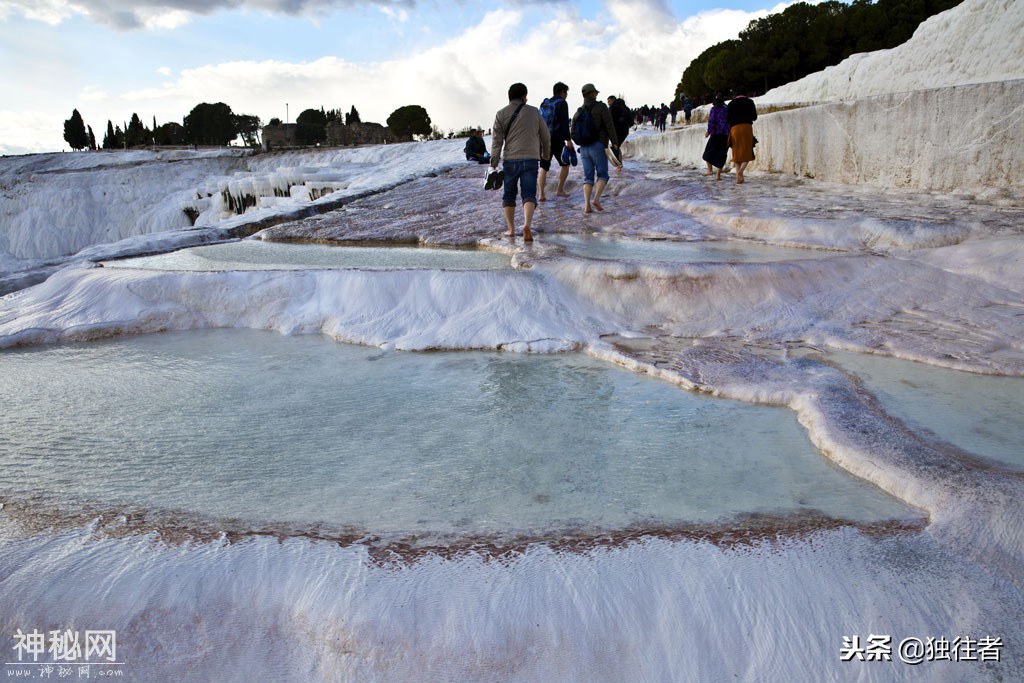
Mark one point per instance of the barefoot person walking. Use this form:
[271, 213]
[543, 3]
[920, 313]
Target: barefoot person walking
[741, 114]
[555, 112]
[718, 137]
[592, 131]
[520, 131]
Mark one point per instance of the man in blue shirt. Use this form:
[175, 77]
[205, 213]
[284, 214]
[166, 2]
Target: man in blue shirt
[559, 139]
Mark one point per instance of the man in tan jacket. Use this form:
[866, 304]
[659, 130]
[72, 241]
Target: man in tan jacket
[519, 130]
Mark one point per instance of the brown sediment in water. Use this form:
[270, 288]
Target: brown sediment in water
[384, 242]
[179, 528]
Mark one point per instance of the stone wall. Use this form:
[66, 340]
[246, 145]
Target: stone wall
[949, 139]
[280, 135]
[339, 135]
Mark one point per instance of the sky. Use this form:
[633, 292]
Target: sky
[275, 58]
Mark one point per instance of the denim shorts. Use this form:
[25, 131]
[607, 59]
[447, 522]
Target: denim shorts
[594, 159]
[520, 173]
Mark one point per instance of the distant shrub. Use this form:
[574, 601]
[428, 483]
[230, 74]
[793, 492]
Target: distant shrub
[408, 121]
[210, 124]
[312, 127]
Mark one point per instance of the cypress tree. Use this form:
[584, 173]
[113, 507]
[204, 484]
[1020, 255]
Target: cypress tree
[109, 141]
[92, 140]
[136, 135]
[74, 131]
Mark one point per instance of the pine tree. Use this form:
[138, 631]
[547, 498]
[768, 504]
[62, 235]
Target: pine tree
[92, 140]
[352, 116]
[410, 120]
[210, 124]
[311, 127]
[248, 127]
[74, 131]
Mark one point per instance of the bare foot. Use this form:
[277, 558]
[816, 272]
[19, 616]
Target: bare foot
[718, 176]
[562, 194]
[542, 198]
[708, 173]
[739, 180]
[597, 205]
[527, 235]
[587, 209]
[510, 233]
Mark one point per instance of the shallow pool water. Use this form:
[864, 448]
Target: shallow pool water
[256, 426]
[260, 255]
[982, 414]
[613, 247]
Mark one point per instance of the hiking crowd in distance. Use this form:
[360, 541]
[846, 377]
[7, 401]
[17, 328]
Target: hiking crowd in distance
[525, 139]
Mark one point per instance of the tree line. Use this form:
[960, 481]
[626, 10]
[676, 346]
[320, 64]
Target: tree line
[801, 40]
[311, 124]
[216, 124]
[206, 124]
[404, 122]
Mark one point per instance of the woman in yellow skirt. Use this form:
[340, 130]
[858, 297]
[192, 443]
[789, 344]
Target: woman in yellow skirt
[741, 114]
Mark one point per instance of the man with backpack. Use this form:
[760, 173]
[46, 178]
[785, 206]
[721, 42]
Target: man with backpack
[592, 131]
[521, 133]
[555, 112]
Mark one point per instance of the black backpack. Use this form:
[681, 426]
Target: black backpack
[584, 131]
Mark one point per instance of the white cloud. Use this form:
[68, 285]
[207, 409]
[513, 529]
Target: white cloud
[463, 81]
[50, 12]
[640, 54]
[401, 16]
[167, 21]
[25, 132]
[164, 71]
[169, 14]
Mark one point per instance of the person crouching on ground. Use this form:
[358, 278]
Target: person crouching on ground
[519, 130]
[741, 114]
[592, 131]
[476, 148]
